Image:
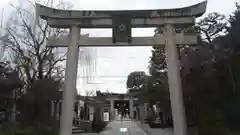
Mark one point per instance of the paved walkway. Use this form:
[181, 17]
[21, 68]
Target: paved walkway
[123, 128]
[154, 131]
[128, 127]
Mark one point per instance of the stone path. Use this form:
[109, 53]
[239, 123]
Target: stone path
[86, 134]
[123, 128]
[154, 131]
[128, 127]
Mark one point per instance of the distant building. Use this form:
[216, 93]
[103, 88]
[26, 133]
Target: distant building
[108, 103]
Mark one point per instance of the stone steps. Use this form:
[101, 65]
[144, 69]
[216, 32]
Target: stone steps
[76, 130]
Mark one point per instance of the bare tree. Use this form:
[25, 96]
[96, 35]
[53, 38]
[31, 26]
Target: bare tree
[36, 64]
[28, 46]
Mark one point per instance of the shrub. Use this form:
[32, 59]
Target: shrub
[98, 125]
[27, 131]
[35, 131]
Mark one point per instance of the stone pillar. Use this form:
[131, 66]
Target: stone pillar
[158, 111]
[131, 106]
[52, 108]
[57, 110]
[70, 82]
[112, 112]
[174, 81]
[141, 111]
[79, 108]
[145, 110]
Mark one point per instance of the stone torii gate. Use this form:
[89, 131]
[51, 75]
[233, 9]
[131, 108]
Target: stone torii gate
[121, 22]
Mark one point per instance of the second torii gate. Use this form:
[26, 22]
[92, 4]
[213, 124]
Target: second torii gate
[122, 22]
[160, 39]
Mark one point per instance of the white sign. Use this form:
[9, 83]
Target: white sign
[91, 117]
[106, 116]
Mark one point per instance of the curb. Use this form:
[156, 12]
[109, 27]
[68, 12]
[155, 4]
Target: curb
[145, 132]
[105, 128]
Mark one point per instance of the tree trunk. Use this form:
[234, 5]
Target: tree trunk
[231, 76]
[14, 107]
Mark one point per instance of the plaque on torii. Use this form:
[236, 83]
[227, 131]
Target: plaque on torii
[121, 28]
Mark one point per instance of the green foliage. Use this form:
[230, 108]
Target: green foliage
[211, 86]
[234, 30]
[98, 124]
[9, 79]
[136, 79]
[28, 131]
[35, 104]
[210, 76]
[10, 85]
[212, 26]
[40, 131]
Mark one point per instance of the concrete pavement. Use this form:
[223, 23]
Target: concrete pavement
[128, 127]
[154, 131]
[123, 128]
[117, 127]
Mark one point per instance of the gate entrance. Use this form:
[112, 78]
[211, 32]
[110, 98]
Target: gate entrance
[122, 107]
[176, 29]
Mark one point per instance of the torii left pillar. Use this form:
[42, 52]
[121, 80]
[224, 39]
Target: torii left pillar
[70, 82]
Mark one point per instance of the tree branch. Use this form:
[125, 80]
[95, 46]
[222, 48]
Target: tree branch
[53, 64]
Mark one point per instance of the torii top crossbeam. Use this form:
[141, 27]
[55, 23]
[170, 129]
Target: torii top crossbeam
[57, 18]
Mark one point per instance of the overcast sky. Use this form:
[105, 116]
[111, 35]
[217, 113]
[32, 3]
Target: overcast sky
[123, 60]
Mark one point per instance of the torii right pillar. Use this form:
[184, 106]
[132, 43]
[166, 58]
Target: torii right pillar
[174, 80]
